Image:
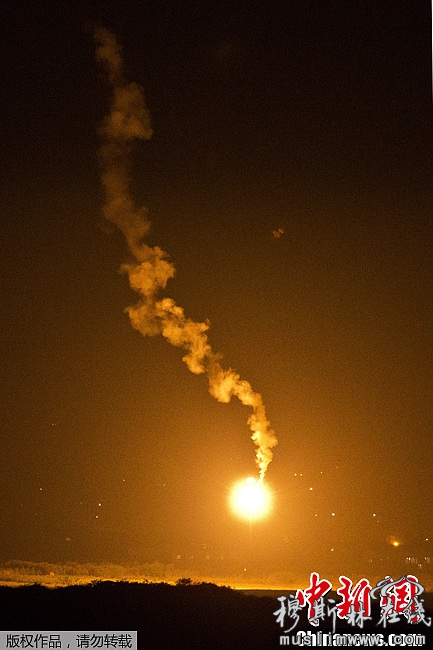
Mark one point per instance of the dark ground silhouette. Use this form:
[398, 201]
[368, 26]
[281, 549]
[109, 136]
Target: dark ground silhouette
[186, 615]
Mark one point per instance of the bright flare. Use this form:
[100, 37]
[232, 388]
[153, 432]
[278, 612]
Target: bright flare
[250, 499]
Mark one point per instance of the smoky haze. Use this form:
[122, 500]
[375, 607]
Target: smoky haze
[151, 269]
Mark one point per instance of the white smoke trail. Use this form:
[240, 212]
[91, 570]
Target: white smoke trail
[128, 120]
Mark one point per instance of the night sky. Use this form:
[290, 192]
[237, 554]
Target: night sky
[310, 119]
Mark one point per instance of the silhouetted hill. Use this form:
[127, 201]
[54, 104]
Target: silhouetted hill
[165, 616]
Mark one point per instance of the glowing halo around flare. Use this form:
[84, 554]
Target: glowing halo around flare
[250, 499]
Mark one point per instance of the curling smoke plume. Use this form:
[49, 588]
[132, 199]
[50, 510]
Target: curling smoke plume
[128, 120]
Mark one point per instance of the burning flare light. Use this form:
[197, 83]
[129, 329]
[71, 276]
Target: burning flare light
[250, 499]
[148, 274]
